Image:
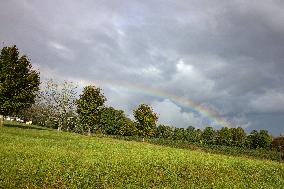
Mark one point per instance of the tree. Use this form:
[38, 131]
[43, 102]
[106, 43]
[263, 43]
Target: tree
[38, 113]
[198, 133]
[179, 134]
[264, 139]
[252, 139]
[238, 136]
[111, 120]
[208, 135]
[58, 102]
[89, 104]
[54, 106]
[192, 134]
[114, 122]
[164, 131]
[224, 136]
[18, 82]
[146, 120]
[281, 148]
[277, 142]
[259, 139]
[128, 128]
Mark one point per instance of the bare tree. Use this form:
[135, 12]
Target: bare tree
[59, 100]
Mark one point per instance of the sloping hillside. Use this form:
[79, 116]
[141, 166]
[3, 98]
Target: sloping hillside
[35, 157]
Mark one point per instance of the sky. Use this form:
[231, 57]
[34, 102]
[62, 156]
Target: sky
[196, 62]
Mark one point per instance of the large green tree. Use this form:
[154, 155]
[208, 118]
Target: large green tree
[89, 104]
[111, 120]
[146, 120]
[19, 82]
[115, 122]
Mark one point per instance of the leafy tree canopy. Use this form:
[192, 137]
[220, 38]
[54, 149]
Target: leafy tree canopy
[224, 136]
[146, 119]
[89, 104]
[18, 81]
[115, 122]
[164, 131]
[208, 135]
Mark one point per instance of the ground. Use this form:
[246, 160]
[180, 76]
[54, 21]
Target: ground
[35, 157]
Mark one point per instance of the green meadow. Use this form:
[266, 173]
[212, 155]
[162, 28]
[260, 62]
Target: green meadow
[35, 157]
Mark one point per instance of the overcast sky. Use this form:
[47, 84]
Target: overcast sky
[227, 56]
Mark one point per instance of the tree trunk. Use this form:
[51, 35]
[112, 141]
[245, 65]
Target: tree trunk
[1, 120]
[60, 124]
[143, 139]
[89, 131]
[282, 152]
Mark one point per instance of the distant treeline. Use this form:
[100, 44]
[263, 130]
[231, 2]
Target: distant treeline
[57, 107]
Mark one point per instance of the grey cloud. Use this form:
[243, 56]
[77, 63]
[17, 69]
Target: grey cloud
[232, 51]
[269, 102]
[172, 115]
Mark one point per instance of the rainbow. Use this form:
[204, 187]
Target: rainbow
[212, 115]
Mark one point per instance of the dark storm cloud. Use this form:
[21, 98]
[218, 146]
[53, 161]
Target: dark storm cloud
[226, 55]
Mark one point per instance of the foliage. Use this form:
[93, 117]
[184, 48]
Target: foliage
[224, 136]
[277, 142]
[208, 135]
[238, 136]
[18, 81]
[179, 134]
[111, 120]
[89, 104]
[128, 128]
[252, 139]
[259, 139]
[192, 134]
[146, 120]
[264, 139]
[114, 122]
[33, 158]
[164, 131]
[39, 114]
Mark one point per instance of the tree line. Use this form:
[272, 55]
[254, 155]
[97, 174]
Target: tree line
[57, 105]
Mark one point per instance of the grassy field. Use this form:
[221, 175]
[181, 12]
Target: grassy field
[216, 149]
[34, 157]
